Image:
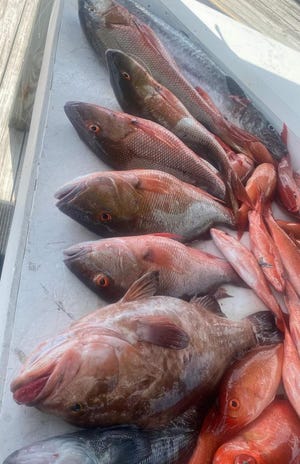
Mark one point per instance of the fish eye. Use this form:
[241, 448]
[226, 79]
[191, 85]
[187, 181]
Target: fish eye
[271, 128]
[245, 459]
[77, 407]
[105, 217]
[126, 75]
[94, 128]
[234, 404]
[101, 280]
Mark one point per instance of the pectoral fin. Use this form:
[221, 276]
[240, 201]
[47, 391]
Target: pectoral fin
[144, 287]
[159, 330]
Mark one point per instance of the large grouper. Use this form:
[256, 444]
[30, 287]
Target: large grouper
[141, 361]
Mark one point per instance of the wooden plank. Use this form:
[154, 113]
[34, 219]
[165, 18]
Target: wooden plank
[11, 145]
[279, 19]
[11, 12]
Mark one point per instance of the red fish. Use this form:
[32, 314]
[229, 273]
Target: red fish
[263, 180]
[291, 228]
[265, 250]
[291, 371]
[288, 250]
[288, 190]
[247, 388]
[110, 266]
[292, 302]
[246, 266]
[273, 438]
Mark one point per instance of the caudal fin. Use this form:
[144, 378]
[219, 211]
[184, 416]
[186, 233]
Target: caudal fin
[265, 328]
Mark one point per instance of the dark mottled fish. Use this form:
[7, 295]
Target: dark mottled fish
[112, 445]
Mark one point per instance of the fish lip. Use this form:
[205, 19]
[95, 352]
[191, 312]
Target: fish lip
[71, 109]
[76, 251]
[67, 193]
[18, 384]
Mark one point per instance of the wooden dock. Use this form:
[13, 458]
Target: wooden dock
[278, 19]
[23, 25]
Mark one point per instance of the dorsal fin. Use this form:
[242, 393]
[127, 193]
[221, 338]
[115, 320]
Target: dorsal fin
[209, 303]
[144, 287]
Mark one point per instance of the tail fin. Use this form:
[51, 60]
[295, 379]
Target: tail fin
[265, 329]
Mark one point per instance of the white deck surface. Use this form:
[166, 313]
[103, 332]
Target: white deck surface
[49, 296]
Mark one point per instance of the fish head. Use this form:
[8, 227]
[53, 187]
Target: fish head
[237, 452]
[130, 81]
[57, 450]
[98, 18]
[106, 202]
[98, 126]
[69, 373]
[250, 386]
[107, 266]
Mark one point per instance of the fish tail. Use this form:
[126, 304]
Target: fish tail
[242, 220]
[265, 329]
[235, 191]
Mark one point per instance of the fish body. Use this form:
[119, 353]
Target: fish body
[291, 228]
[245, 264]
[291, 371]
[274, 437]
[292, 302]
[110, 266]
[288, 190]
[201, 69]
[265, 250]
[109, 25]
[288, 250]
[143, 360]
[262, 182]
[246, 389]
[140, 202]
[111, 445]
[139, 94]
[127, 142]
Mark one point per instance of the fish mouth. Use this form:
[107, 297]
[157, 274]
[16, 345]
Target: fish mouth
[30, 391]
[73, 112]
[67, 193]
[76, 251]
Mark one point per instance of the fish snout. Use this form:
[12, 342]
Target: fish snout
[76, 251]
[68, 193]
[72, 110]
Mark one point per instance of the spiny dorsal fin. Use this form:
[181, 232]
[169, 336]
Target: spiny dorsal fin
[161, 331]
[209, 303]
[144, 287]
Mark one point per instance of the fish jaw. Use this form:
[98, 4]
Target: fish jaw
[38, 381]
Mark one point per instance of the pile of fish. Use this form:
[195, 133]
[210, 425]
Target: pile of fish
[161, 375]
